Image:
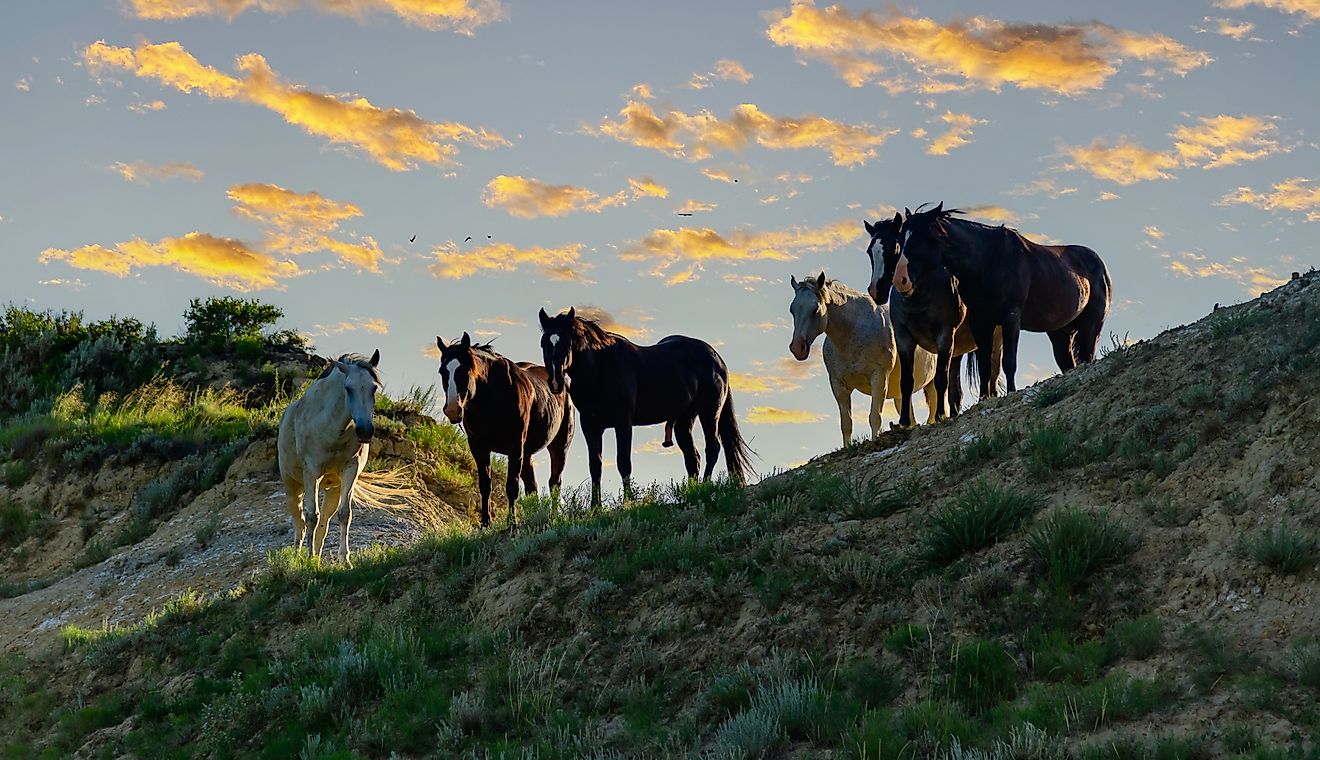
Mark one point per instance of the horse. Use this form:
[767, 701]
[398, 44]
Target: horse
[858, 349]
[1011, 283]
[933, 319]
[618, 384]
[324, 439]
[508, 408]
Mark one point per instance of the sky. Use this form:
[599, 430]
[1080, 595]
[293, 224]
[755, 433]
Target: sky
[157, 151]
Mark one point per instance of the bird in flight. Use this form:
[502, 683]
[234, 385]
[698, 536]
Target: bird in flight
[469, 237]
[685, 213]
[412, 239]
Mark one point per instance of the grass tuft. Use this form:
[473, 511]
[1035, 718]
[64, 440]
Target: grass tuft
[1284, 548]
[980, 515]
[1072, 545]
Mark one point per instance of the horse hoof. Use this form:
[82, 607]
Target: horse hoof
[668, 444]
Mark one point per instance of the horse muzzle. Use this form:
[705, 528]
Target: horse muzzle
[454, 413]
[365, 433]
[800, 349]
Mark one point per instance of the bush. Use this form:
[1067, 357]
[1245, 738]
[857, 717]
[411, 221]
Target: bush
[1284, 548]
[982, 514]
[1072, 545]
[217, 323]
[981, 674]
[1137, 638]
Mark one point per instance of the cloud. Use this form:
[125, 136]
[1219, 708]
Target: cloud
[502, 321]
[696, 207]
[462, 16]
[1253, 279]
[23, 85]
[297, 223]
[994, 213]
[773, 415]
[153, 105]
[528, 198]
[623, 325]
[1212, 142]
[397, 139]
[960, 128]
[74, 284]
[222, 261]
[1293, 194]
[1069, 59]
[144, 173]
[1042, 186]
[643, 91]
[371, 324]
[1107, 196]
[1308, 8]
[1154, 233]
[558, 263]
[699, 245]
[1228, 27]
[698, 136]
[731, 71]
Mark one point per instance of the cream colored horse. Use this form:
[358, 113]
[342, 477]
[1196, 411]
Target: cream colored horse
[859, 348]
[324, 440]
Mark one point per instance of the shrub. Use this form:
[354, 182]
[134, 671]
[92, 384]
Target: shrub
[907, 637]
[1072, 545]
[217, 323]
[981, 514]
[865, 498]
[1284, 548]
[1048, 393]
[1137, 638]
[985, 448]
[981, 674]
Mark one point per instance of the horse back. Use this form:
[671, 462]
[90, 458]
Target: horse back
[650, 384]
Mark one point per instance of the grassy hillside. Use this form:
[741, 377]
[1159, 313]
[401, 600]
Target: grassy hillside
[1117, 563]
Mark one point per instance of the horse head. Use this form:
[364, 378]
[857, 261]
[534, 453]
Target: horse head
[557, 334]
[809, 314]
[360, 383]
[883, 253]
[920, 248]
[459, 372]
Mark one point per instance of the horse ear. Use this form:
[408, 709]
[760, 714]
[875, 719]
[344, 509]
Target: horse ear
[572, 312]
[467, 340]
[440, 343]
[906, 212]
[341, 366]
[375, 357]
[870, 228]
[898, 218]
[820, 281]
[939, 208]
[792, 281]
[545, 320]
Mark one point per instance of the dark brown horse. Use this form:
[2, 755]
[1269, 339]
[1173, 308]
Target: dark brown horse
[1011, 283]
[618, 384]
[933, 318]
[507, 408]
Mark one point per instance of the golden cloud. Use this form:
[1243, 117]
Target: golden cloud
[223, 261]
[698, 136]
[394, 138]
[993, 213]
[703, 244]
[696, 207]
[730, 70]
[1229, 28]
[1294, 194]
[615, 324]
[297, 223]
[1153, 232]
[144, 173]
[1212, 142]
[1107, 196]
[761, 382]
[645, 187]
[773, 415]
[960, 128]
[1254, 280]
[530, 198]
[460, 15]
[719, 175]
[559, 263]
[1307, 8]
[1069, 59]
[371, 324]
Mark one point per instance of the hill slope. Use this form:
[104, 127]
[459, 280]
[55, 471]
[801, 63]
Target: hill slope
[1120, 562]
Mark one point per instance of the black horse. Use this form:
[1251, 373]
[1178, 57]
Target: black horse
[507, 408]
[933, 318]
[1011, 283]
[618, 384]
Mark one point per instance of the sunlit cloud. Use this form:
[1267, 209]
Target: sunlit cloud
[699, 136]
[1041, 186]
[147, 106]
[717, 174]
[769, 325]
[502, 322]
[696, 207]
[1253, 279]
[374, 325]
[748, 282]
[960, 128]
[1293, 194]
[1228, 27]
[1069, 59]
[1210, 143]
[627, 323]
[557, 263]
[1107, 196]
[145, 173]
[1153, 232]
[462, 16]
[529, 198]
[643, 91]
[731, 71]
[61, 282]
[700, 245]
[993, 213]
[1307, 8]
[222, 261]
[297, 223]
[773, 415]
[397, 139]
[23, 85]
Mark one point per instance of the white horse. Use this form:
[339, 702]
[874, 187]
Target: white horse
[324, 440]
[859, 348]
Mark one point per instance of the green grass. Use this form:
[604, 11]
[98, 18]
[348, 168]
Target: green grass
[981, 674]
[1049, 393]
[875, 497]
[1284, 548]
[1063, 443]
[1136, 638]
[1071, 546]
[981, 514]
[986, 448]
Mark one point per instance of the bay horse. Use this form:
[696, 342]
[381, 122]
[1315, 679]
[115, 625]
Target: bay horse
[933, 319]
[324, 439]
[1011, 283]
[618, 384]
[858, 348]
[505, 407]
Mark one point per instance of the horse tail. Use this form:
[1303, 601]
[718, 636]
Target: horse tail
[1096, 311]
[396, 491]
[973, 373]
[737, 454]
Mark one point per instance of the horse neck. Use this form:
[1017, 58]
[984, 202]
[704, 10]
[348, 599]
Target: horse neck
[844, 312]
[964, 255]
[326, 396]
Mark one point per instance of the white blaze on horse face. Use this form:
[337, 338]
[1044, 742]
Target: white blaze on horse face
[451, 388]
[554, 339]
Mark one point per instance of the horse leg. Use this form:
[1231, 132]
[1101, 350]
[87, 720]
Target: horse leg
[347, 478]
[842, 397]
[558, 448]
[710, 429]
[955, 386]
[528, 474]
[511, 482]
[879, 392]
[482, 458]
[593, 435]
[984, 331]
[294, 494]
[932, 400]
[691, 459]
[1012, 331]
[1088, 326]
[1062, 341]
[623, 446]
[907, 359]
[312, 507]
[669, 434]
[943, 357]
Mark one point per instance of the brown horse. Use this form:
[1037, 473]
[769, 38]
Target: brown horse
[1011, 283]
[507, 408]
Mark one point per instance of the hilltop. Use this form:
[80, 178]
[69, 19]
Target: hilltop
[1118, 562]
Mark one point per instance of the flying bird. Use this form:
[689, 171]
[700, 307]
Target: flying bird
[685, 213]
[469, 237]
[412, 239]
[488, 237]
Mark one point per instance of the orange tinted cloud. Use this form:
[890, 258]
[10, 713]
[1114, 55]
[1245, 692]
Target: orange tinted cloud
[960, 128]
[1308, 8]
[773, 415]
[1210, 143]
[397, 139]
[223, 261]
[460, 15]
[1294, 194]
[619, 324]
[994, 213]
[695, 207]
[1228, 27]
[731, 70]
[698, 136]
[529, 198]
[371, 324]
[703, 244]
[1068, 59]
[1253, 279]
[144, 173]
[559, 263]
[298, 223]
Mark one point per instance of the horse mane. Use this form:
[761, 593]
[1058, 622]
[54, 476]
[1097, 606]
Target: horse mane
[589, 335]
[358, 360]
[944, 216]
[832, 289]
